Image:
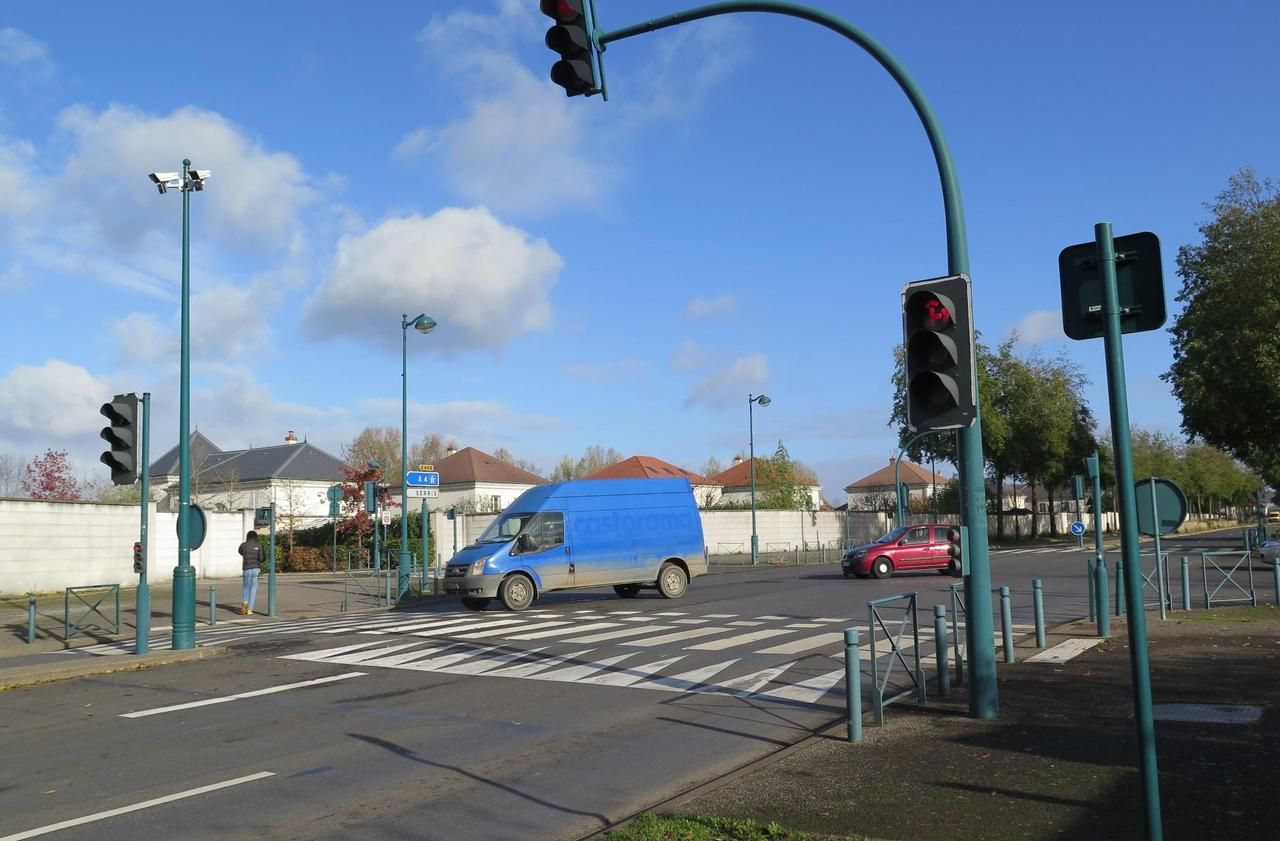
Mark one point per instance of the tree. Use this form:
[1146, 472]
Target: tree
[375, 443]
[503, 454]
[12, 469]
[49, 477]
[711, 467]
[1226, 348]
[777, 484]
[357, 521]
[594, 458]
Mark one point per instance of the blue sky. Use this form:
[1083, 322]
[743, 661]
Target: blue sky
[739, 217]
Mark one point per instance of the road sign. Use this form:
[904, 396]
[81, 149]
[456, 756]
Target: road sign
[196, 527]
[422, 479]
[335, 493]
[333, 509]
[1170, 501]
[386, 518]
[422, 493]
[1139, 286]
[1077, 528]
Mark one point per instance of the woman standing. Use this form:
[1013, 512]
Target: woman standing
[251, 553]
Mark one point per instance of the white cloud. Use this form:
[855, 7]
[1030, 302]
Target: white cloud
[601, 373]
[18, 49]
[142, 339]
[20, 186]
[688, 355]
[701, 307]
[56, 400]
[470, 422]
[730, 385]
[253, 199]
[483, 281]
[230, 322]
[1039, 326]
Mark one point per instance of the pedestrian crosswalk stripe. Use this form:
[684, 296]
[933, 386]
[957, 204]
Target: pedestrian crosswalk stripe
[691, 621]
[690, 681]
[807, 691]
[583, 670]
[672, 613]
[804, 644]
[721, 615]
[484, 664]
[503, 629]
[631, 674]
[405, 657]
[555, 632]
[775, 618]
[531, 669]
[740, 639]
[473, 625]
[691, 633]
[746, 623]
[363, 656]
[752, 683]
[625, 632]
[806, 625]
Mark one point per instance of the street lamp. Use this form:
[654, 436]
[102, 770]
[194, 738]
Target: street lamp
[184, 575]
[751, 438]
[423, 324]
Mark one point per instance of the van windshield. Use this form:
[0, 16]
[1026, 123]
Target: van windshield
[505, 528]
[893, 535]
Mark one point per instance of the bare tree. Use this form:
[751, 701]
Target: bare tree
[712, 467]
[12, 469]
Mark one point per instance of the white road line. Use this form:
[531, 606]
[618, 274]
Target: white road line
[361, 657]
[124, 810]
[436, 664]
[721, 615]
[330, 652]
[745, 623]
[1064, 651]
[555, 632]
[833, 619]
[692, 633]
[772, 617]
[403, 657]
[806, 625]
[455, 627]
[672, 613]
[817, 641]
[240, 695]
[754, 682]
[574, 673]
[625, 632]
[690, 621]
[807, 691]
[740, 639]
[623, 612]
[631, 674]
[529, 669]
[691, 681]
[484, 664]
[502, 632]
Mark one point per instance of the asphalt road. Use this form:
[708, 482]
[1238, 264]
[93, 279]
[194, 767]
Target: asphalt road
[448, 724]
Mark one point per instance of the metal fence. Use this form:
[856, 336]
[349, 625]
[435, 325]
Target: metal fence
[89, 619]
[885, 626]
[782, 554]
[1224, 573]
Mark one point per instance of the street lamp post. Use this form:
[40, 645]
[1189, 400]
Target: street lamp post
[184, 575]
[763, 400]
[423, 324]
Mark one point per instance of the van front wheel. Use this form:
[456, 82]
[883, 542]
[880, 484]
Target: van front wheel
[672, 581]
[475, 602]
[627, 591]
[516, 592]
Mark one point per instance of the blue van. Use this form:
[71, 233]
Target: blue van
[628, 533]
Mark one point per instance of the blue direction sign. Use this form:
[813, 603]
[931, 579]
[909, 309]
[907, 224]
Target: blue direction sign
[422, 479]
[1077, 528]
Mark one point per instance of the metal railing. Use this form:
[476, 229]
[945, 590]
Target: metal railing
[957, 641]
[1156, 580]
[906, 602]
[1241, 559]
[368, 584]
[86, 622]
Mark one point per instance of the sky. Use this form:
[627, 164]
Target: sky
[738, 218]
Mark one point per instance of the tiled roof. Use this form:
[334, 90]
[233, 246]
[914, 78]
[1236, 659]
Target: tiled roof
[201, 449]
[470, 465]
[302, 462]
[739, 476]
[647, 467]
[911, 474]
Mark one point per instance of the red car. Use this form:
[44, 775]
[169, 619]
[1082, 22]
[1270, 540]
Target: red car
[904, 549]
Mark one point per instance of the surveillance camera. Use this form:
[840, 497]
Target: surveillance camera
[163, 177]
[201, 174]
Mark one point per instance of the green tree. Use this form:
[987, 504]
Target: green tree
[778, 482]
[1226, 348]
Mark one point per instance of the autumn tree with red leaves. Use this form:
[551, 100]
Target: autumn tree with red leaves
[357, 522]
[49, 477]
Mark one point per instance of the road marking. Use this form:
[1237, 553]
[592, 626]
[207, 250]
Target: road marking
[817, 641]
[692, 633]
[806, 625]
[754, 682]
[403, 657]
[740, 639]
[631, 674]
[240, 695]
[691, 681]
[529, 669]
[594, 626]
[775, 618]
[502, 632]
[807, 691]
[721, 615]
[625, 632]
[745, 623]
[690, 621]
[673, 613]
[572, 673]
[146, 804]
[455, 627]
[1064, 651]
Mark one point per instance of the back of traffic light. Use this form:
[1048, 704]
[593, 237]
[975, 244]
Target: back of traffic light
[139, 559]
[121, 435]
[572, 38]
[957, 543]
[941, 369]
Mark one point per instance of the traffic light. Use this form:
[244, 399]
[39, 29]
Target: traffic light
[371, 497]
[955, 550]
[137, 558]
[121, 435]
[941, 375]
[571, 38]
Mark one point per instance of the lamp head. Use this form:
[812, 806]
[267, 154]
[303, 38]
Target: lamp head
[424, 324]
[763, 400]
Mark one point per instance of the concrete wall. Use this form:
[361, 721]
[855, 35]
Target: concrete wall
[48, 546]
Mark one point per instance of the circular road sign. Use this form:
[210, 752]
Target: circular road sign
[196, 528]
[1077, 528]
[335, 493]
[1170, 502]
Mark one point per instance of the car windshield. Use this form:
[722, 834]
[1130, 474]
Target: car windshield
[893, 535]
[505, 528]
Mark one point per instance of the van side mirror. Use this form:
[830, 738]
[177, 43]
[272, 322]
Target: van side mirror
[524, 542]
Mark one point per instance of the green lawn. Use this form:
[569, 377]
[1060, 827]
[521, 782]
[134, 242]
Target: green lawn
[667, 828]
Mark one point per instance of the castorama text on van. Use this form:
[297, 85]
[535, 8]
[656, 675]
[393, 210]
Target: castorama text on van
[628, 533]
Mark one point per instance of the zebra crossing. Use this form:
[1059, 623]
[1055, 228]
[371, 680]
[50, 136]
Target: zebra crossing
[774, 657]
[1045, 550]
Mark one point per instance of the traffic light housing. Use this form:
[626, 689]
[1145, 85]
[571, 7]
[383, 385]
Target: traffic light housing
[941, 369]
[137, 558]
[121, 435]
[956, 541]
[371, 497]
[570, 37]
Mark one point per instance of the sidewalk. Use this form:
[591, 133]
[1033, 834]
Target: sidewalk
[1060, 762]
[299, 595]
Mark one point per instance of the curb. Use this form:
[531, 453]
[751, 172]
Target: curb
[19, 676]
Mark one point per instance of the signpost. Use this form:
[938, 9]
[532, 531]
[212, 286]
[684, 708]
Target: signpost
[1077, 528]
[1092, 307]
[335, 496]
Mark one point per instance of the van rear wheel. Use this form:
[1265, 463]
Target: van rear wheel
[516, 592]
[627, 591]
[475, 602]
[672, 581]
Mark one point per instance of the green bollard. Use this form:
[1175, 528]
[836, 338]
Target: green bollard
[1037, 591]
[1119, 588]
[853, 684]
[1006, 623]
[941, 655]
[1275, 576]
[1092, 566]
[31, 619]
[1186, 584]
[213, 604]
[1104, 615]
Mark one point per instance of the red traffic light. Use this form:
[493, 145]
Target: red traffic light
[930, 311]
[562, 10]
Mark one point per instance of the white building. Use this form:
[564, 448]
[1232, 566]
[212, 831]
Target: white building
[476, 482]
[876, 491]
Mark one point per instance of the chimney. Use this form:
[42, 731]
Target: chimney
[291, 438]
[450, 450]
[737, 459]
[892, 459]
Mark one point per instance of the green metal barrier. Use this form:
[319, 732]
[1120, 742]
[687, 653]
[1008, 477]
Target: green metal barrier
[906, 602]
[86, 622]
[1241, 559]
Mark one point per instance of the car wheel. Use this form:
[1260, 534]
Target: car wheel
[475, 602]
[626, 591]
[516, 592]
[672, 581]
[882, 567]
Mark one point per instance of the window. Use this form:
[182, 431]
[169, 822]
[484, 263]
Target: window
[545, 531]
[920, 535]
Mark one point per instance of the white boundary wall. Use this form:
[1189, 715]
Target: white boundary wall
[48, 546]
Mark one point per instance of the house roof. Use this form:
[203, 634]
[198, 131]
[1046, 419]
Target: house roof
[647, 467]
[470, 465]
[739, 476]
[201, 449]
[911, 474]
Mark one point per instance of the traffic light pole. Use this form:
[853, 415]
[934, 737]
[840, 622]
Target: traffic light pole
[1140, 665]
[142, 622]
[983, 698]
[897, 473]
[184, 575]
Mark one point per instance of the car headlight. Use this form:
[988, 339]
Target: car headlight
[477, 568]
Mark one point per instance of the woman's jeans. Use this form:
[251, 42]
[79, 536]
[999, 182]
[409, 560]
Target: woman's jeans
[250, 586]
